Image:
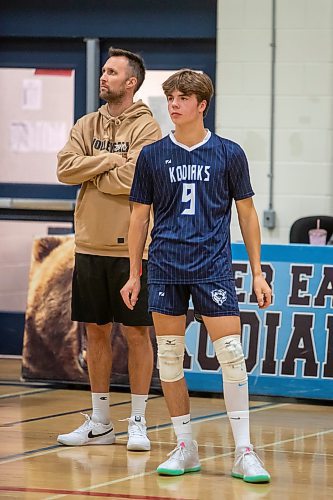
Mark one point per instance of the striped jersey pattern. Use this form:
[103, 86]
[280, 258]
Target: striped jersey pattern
[191, 190]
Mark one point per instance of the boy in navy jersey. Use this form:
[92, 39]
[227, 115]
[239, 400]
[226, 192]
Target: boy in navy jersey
[190, 178]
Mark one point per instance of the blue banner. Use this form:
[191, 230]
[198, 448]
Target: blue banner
[289, 346]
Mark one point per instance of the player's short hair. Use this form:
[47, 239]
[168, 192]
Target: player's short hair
[188, 82]
[135, 63]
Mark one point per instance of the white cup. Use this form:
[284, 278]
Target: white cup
[317, 236]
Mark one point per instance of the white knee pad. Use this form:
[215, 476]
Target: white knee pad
[170, 354]
[229, 352]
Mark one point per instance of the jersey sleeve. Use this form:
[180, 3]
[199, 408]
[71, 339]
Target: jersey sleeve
[239, 175]
[142, 186]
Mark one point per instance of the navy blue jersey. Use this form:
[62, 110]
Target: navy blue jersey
[191, 190]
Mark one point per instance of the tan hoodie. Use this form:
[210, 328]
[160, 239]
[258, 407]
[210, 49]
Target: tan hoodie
[101, 154]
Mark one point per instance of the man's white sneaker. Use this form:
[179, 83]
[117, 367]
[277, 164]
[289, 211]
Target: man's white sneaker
[137, 434]
[89, 433]
[184, 458]
[249, 467]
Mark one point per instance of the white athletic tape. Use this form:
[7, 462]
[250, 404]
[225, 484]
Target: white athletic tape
[229, 352]
[170, 354]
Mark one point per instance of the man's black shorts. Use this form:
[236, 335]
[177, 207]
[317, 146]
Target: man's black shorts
[96, 298]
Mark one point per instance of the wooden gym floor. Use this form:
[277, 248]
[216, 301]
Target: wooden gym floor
[294, 440]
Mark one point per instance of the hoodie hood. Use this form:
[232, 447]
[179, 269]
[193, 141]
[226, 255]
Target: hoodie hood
[137, 109]
[114, 127]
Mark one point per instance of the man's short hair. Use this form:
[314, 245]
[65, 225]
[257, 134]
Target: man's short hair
[135, 62]
[188, 82]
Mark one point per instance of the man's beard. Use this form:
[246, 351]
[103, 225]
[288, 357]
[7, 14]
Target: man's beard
[111, 96]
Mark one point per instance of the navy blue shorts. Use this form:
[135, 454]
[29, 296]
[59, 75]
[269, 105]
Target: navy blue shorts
[209, 299]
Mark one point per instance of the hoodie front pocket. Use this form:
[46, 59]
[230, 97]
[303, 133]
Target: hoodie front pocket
[102, 220]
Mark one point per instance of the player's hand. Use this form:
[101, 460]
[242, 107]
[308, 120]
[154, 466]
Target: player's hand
[130, 292]
[263, 291]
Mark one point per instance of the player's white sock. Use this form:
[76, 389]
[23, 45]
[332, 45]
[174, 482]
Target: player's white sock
[139, 403]
[236, 400]
[230, 354]
[182, 427]
[101, 409]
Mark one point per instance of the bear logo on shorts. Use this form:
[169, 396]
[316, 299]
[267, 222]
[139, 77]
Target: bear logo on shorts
[219, 296]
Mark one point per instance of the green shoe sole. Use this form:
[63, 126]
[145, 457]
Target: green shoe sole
[175, 472]
[252, 479]
[257, 479]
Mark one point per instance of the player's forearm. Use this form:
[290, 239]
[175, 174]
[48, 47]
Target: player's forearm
[250, 229]
[137, 236]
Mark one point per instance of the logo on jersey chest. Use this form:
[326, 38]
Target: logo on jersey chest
[189, 173]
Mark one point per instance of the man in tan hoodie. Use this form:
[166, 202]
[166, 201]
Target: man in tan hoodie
[100, 155]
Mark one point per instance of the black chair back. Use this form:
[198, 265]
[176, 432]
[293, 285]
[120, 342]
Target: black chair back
[299, 231]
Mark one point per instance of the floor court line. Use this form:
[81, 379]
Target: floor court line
[15, 383]
[52, 449]
[207, 418]
[87, 493]
[110, 483]
[195, 420]
[224, 414]
[306, 436]
[214, 416]
[217, 446]
[55, 415]
[274, 443]
[24, 393]
[301, 452]
[29, 454]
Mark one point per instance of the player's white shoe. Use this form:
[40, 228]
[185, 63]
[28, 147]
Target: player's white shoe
[184, 458]
[249, 467]
[89, 433]
[137, 434]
